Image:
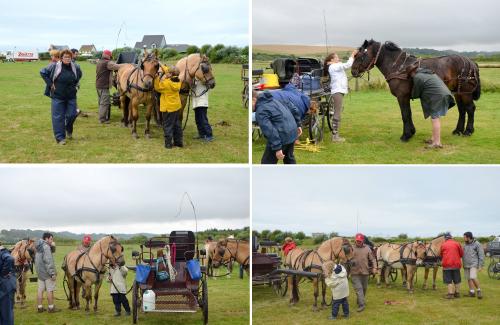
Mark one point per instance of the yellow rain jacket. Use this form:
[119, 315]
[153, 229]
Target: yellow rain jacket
[170, 101]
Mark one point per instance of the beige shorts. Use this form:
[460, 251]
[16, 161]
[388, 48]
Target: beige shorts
[47, 285]
[470, 273]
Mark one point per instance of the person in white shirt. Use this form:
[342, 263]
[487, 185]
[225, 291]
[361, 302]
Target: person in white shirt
[339, 87]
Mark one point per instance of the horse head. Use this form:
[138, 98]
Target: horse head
[419, 250]
[203, 71]
[347, 253]
[366, 57]
[114, 252]
[221, 253]
[150, 66]
[25, 251]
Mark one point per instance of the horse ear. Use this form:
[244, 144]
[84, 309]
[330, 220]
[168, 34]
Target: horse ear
[365, 44]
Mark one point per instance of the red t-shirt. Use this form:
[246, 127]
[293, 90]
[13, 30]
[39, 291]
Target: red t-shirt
[451, 254]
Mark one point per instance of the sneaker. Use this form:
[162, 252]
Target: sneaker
[180, 145]
[69, 136]
[168, 146]
[479, 294]
[472, 294]
[61, 142]
[40, 310]
[361, 308]
[332, 318]
[337, 138]
[53, 310]
[456, 295]
[434, 146]
[127, 313]
[208, 138]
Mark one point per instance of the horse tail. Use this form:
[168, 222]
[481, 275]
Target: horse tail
[477, 92]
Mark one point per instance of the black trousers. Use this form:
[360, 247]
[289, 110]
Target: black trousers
[120, 299]
[269, 156]
[336, 306]
[172, 128]
[204, 128]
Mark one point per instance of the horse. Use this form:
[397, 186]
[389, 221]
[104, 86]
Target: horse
[459, 73]
[191, 67]
[210, 247]
[135, 85]
[432, 260]
[24, 256]
[336, 249]
[239, 251]
[86, 268]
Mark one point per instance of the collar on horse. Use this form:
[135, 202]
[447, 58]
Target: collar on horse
[234, 256]
[136, 85]
[94, 269]
[193, 76]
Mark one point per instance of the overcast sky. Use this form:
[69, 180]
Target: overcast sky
[418, 201]
[87, 199]
[445, 24]
[34, 24]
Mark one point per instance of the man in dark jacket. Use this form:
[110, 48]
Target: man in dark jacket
[473, 263]
[362, 264]
[451, 254]
[7, 287]
[290, 94]
[103, 81]
[280, 125]
[435, 98]
[46, 271]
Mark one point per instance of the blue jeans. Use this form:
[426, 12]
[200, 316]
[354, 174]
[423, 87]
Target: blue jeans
[7, 309]
[204, 128]
[63, 117]
[336, 306]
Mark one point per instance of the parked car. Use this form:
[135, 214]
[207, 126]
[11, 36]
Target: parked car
[493, 247]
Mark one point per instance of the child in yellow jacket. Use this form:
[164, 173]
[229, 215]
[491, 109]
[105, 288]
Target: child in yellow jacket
[170, 104]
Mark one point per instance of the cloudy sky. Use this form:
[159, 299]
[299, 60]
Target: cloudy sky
[418, 201]
[446, 24]
[111, 199]
[34, 24]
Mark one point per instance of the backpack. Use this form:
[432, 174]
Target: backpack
[161, 272]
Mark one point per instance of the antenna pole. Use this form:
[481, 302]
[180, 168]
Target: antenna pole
[326, 32]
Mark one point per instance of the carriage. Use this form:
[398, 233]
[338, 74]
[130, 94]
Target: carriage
[180, 287]
[267, 267]
[494, 267]
[311, 83]
[245, 77]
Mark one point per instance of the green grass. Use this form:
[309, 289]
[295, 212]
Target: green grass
[423, 307]
[371, 124]
[228, 301]
[26, 132]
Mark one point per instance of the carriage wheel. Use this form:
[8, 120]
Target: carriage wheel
[245, 96]
[493, 271]
[135, 302]
[204, 299]
[280, 286]
[393, 275]
[330, 110]
[256, 133]
[316, 124]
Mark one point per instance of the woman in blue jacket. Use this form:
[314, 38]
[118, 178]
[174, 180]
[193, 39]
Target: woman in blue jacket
[62, 79]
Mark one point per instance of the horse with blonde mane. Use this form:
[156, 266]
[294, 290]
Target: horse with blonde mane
[336, 249]
[432, 260]
[135, 85]
[86, 268]
[212, 270]
[239, 251]
[24, 255]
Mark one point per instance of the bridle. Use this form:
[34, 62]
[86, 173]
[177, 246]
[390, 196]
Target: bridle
[205, 68]
[22, 256]
[372, 63]
[220, 250]
[141, 76]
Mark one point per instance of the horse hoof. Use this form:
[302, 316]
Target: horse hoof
[468, 133]
[434, 288]
[457, 132]
[135, 136]
[405, 138]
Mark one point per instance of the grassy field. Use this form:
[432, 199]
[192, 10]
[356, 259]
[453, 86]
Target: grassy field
[371, 124]
[27, 136]
[228, 301]
[423, 307]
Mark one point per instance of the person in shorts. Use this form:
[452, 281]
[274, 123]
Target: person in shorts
[46, 271]
[473, 261]
[451, 254]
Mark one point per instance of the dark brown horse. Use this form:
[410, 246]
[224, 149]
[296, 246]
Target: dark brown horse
[459, 73]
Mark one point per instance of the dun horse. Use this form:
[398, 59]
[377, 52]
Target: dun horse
[194, 66]
[135, 85]
[336, 249]
[87, 268]
[23, 254]
[432, 260]
[239, 251]
[213, 270]
[459, 73]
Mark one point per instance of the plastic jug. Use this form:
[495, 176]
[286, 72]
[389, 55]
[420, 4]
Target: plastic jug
[148, 300]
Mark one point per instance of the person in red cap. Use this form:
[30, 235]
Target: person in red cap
[86, 243]
[288, 245]
[103, 81]
[360, 269]
[451, 260]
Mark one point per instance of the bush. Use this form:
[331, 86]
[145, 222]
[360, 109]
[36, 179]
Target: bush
[402, 236]
[192, 49]
[320, 239]
[205, 49]
[300, 235]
